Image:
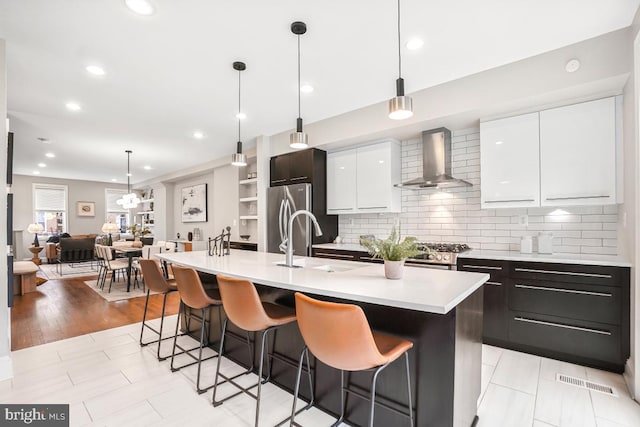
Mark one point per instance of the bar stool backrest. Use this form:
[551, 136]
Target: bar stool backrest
[242, 304]
[190, 287]
[152, 251]
[99, 254]
[337, 334]
[153, 277]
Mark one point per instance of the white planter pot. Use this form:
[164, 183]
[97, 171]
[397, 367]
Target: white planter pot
[393, 269]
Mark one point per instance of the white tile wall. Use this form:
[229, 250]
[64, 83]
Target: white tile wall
[454, 215]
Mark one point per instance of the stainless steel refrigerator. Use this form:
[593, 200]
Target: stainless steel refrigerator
[281, 203]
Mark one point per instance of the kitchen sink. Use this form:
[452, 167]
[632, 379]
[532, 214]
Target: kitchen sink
[332, 268]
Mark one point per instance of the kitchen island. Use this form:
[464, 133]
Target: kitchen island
[440, 311]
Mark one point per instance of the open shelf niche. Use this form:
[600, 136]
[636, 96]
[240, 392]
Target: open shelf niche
[248, 200]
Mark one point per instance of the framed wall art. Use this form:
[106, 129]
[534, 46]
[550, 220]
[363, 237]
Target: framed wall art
[194, 203]
[86, 209]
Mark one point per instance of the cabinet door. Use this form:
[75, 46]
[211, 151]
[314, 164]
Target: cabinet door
[578, 154]
[341, 182]
[374, 186]
[301, 166]
[509, 162]
[279, 168]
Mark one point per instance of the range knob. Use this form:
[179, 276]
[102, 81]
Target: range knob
[431, 256]
[446, 257]
[439, 257]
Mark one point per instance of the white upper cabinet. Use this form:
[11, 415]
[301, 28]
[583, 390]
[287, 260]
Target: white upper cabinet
[361, 180]
[563, 156]
[509, 153]
[341, 182]
[578, 154]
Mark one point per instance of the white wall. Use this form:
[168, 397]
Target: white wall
[6, 370]
[85, 191]
[222, 203]
[454, 215]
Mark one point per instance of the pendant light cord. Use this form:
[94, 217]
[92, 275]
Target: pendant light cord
[128, 172]
[399, 57]
[299, 115]
[239, 106]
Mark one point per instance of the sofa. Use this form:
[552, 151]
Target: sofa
[52, 248]
[74, 250]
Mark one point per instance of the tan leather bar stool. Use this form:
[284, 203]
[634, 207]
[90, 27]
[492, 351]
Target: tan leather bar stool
[155, 281]
[245, 310]
[192, 295]
[339, 336]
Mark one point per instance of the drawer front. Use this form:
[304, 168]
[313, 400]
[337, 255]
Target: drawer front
[582, 339]
[334, 254]
[569, 300]
[574, 273]
[494, 318]
[497, 270]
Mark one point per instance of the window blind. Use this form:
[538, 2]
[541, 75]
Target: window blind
[50, 198]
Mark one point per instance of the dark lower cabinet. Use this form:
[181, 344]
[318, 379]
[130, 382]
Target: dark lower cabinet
[576, 313]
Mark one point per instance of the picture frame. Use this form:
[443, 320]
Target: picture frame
[194, 203]
[86, 209]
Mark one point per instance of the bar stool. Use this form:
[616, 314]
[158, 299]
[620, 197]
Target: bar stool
[192, 295]
[245, 310]
[339, 336]
[155, 282]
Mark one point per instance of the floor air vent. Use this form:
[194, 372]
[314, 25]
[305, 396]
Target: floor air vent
[587, 385]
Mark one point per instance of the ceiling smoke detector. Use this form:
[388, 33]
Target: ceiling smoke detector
[572, 66]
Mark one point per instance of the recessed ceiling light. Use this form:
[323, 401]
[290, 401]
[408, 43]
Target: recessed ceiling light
[114, 179]
[36, 172]
[73, 106]
[499, 142]
[572, 66]
[198, 135]
[50, 155]
[306, 88]
[241, 116]
[414, 44]
[42, 165]
[95, 70]
[147, 168]
[141, 7]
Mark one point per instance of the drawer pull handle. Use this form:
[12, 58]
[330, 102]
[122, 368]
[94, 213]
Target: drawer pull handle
[482, 267]
[339, 209]
[299, 177]
[493, 283]
[559, 325]
[568, 291]
[513, 200]
[566, 273]
[373, 207]
[324, 254]
[578, 197]
[278, 180]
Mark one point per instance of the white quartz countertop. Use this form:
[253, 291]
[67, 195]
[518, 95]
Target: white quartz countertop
[560, 258]
[421, 289]
[341, 247]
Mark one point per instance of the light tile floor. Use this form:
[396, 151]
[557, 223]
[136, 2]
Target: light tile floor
[108, 380]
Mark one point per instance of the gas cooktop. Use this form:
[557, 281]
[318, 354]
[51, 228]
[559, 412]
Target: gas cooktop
[439, 253]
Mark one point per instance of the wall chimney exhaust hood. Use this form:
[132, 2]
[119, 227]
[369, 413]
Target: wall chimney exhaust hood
[436, 162]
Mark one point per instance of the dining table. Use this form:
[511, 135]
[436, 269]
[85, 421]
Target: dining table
[130, 253]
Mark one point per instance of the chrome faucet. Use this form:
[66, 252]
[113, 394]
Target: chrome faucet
[288, 261]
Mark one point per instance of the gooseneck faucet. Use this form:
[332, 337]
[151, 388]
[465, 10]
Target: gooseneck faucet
[288, 261]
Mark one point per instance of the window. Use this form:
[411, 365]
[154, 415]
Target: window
[50, 207]
[114, 212]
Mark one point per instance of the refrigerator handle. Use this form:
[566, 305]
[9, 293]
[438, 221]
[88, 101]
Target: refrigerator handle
[281, 215]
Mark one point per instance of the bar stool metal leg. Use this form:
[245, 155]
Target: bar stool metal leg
[304, 354]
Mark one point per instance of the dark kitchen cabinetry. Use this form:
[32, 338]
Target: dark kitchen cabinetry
[299, 167]
[577, 313]
[494, 320]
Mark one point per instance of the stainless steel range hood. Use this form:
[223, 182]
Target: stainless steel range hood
[436, 162]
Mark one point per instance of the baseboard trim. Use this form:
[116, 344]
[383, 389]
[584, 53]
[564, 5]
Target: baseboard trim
[6, 368]
[629, 378]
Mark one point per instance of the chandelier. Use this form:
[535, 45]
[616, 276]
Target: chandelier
[129, 200]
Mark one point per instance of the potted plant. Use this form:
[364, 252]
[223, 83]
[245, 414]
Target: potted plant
[138, 232]
[393, 250]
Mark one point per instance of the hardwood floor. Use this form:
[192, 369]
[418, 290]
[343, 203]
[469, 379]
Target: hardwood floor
[67, 308]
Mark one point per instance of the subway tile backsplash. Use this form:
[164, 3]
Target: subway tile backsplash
[454, 215]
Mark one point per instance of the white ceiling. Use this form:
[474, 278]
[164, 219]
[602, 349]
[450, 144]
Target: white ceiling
[170, 74]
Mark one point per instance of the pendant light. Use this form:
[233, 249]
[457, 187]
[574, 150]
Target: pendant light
[238, 158]
[401, 106]
[299, 138]
[129, 200]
